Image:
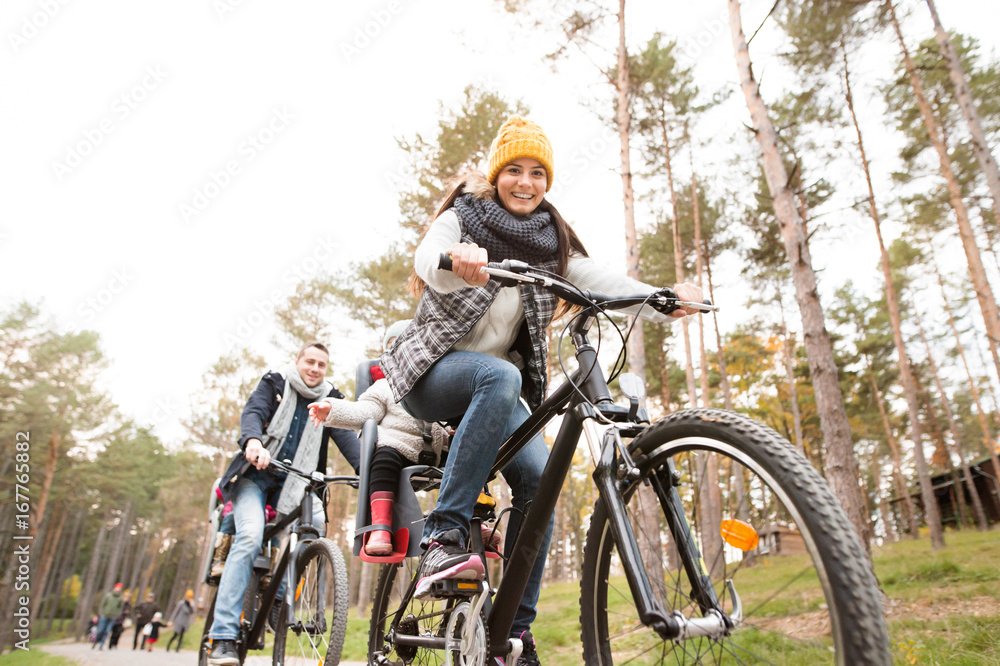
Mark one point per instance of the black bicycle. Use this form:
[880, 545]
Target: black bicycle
[712, 541]
[313, 620]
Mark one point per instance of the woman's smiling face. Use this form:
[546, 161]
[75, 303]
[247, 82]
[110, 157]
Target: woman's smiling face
[521, 185]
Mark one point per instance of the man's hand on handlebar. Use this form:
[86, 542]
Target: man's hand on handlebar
[256, 454]
[468, 261]
[687, 292]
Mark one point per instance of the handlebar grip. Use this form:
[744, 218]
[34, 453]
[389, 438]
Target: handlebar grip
[444, 261]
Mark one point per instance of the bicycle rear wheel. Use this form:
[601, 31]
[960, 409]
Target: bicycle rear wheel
[251, 606]
[205, 646]
[319, 609]
[808, 593]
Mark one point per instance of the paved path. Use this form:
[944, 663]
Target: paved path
[82, 654]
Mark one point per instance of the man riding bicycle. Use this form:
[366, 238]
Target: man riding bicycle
[275, 424]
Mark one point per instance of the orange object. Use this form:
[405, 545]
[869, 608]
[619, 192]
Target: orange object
[739, 534]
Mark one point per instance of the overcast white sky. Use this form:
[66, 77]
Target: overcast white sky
[168, 167]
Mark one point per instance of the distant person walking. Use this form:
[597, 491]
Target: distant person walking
[109, 611]
[144, 612]
[180, 619]
[119, 624]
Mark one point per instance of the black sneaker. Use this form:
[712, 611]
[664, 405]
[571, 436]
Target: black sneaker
[223, 653]
[446, 557]
[528, 655]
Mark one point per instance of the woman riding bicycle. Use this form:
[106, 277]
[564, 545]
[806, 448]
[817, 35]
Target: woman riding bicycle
[475, 347]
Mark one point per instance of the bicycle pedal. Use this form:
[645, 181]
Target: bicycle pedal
[455, 587]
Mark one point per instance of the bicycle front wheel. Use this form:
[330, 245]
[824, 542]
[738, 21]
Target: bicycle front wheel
[808, 594]
[319, 608]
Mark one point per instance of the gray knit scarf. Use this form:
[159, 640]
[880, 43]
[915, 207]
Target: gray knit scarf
[307, 455]
[532, 239]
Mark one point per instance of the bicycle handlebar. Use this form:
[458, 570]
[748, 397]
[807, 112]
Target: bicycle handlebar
[277, 465]
[509, 270]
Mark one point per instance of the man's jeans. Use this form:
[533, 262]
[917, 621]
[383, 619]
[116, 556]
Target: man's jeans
[487, 391]
[248, 510]
[103, 629]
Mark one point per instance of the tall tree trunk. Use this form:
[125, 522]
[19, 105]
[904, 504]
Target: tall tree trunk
[711, 498]
[661, 358]
[41, 575]
[66, 567]
[48, 473]
[891, 533]
[112, 575]
[977, 505]
[897, 468]
[86, 599]
[788, 347]
[139, 558]
[652, 555]
[700, 268]
[984, 294]
[723, 374]
[979, 146]
[679, 266]
[145, 583]
[984, 423]
[841, 465]
[931, 509]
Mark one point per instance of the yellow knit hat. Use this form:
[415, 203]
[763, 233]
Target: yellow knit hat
[517, 138]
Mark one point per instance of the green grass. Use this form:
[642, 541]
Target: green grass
[934, 602]
[934, 599]
[33, 657]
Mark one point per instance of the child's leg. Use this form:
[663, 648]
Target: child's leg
[223, 542]
[386, 464]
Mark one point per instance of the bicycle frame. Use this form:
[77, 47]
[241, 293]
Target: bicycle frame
[579, 417]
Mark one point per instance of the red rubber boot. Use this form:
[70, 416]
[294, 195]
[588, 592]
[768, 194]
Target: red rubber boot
[380, 541]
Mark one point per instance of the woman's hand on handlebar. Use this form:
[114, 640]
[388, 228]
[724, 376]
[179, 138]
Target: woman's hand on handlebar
[468, 261]
[687, 292]
[256, 454]
[318, 411]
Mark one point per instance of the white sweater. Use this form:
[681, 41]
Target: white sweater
[396, 428]
[495, 332]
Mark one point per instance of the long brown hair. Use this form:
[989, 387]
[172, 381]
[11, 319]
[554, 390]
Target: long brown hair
[569, 242]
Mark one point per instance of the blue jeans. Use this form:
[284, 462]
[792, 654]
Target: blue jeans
[248, 512]
[487, 391]
[103, 629]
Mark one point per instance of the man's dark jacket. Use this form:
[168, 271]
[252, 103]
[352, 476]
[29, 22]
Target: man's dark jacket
[144, 612]
[257, 415]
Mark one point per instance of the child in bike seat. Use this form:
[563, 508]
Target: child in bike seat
[401, 439]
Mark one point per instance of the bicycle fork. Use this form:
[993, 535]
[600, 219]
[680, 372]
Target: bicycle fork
[610, 473]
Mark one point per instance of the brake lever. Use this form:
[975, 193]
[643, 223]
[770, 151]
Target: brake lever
[706, 306]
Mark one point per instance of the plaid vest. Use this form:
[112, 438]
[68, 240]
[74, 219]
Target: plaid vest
[442, 320]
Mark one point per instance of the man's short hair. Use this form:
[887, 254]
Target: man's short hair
[315, 343]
